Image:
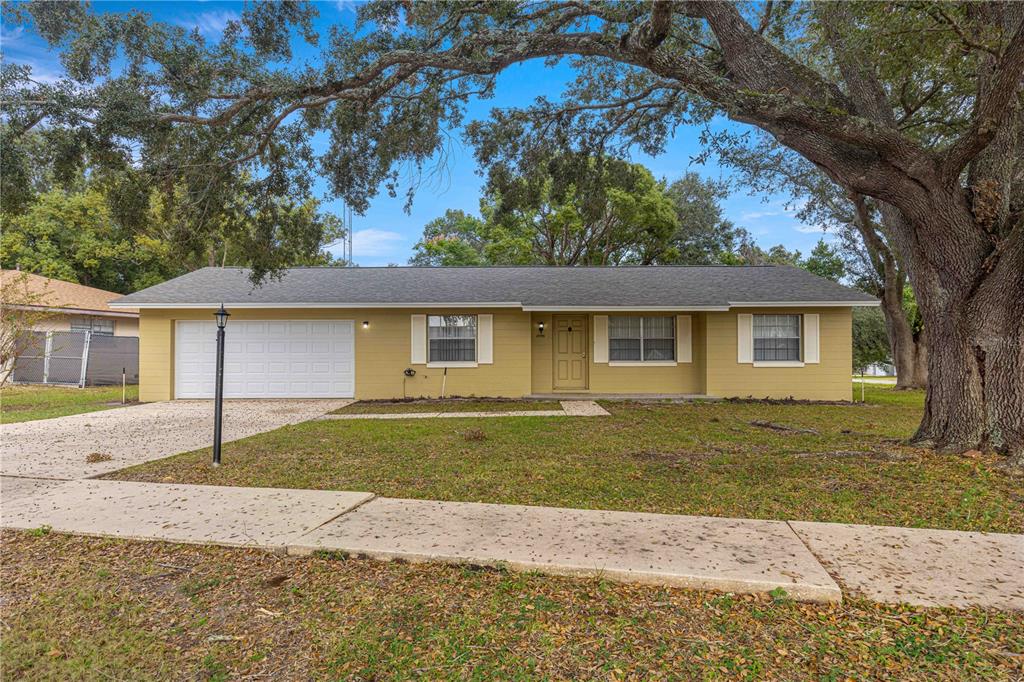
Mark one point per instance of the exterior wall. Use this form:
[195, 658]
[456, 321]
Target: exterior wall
[684, 378]
[126, 326]
[827, 380]
[382, 353]
[523, 358]
[53, 323]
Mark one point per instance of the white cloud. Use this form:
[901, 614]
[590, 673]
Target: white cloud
[754, 215]
[372, 242]
[346, 6]
[809, 229]
[11, 37]
[210, 23]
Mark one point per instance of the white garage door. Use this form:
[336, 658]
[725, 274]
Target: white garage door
[272, 359]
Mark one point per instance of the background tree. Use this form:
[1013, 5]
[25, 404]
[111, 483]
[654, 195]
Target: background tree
[84, 222]
[22, 307]
[860, 224]
[870, 340]
[916, 105]
[456, 238]
[622, 216]
[703, 236]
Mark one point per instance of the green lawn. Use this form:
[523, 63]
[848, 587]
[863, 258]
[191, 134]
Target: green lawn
[839, 462]
[81, 608]
[27, 403]
[421, 406]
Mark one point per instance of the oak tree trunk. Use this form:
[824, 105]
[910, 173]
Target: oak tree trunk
[975, 320]
[908, 352]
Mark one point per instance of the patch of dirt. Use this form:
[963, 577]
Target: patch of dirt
[95, 457]
[782, 428]
[793, 401]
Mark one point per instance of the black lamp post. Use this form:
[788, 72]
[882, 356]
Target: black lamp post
[218, 399]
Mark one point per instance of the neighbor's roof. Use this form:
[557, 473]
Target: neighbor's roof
[44, 292]
[531, 288]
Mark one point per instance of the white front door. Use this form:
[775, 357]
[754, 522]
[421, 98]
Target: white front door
[267, 359]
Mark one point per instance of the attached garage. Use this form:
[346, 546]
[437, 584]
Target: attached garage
[267, 359]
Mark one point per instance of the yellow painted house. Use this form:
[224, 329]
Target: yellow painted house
[366, 333]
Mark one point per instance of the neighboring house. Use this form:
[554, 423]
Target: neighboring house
[770, 331]
[57, 332]
[70, 306]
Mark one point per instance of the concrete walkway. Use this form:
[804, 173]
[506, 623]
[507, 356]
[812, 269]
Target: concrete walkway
[270, 518]
[810, 561]
[570, 408]
[730, 555]
[59, 448]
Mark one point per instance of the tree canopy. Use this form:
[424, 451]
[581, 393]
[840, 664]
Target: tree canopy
[915, 105]
[584, 211]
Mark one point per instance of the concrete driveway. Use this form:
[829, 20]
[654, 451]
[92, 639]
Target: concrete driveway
[58, 448]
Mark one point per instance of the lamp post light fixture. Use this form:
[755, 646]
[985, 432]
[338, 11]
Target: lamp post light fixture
[218, 398]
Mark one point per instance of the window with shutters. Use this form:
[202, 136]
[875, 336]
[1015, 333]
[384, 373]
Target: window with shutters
[451, 338]
[641, 339]
[776, 338]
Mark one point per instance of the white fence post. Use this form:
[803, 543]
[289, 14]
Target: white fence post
[47, 349]
[85, 359]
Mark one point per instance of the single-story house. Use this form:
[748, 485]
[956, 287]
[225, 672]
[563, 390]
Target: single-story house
[366, 333]
[68, 306]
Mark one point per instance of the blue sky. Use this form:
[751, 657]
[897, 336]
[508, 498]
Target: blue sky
[386, 234]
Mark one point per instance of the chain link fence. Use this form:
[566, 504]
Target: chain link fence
[77, 359]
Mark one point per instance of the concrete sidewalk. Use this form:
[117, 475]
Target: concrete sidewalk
[808, 560]
[270, 518]
[729, 555]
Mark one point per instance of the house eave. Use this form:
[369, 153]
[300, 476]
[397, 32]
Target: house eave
[498, 304]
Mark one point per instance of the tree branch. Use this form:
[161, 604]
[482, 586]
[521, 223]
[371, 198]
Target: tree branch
[991, 108]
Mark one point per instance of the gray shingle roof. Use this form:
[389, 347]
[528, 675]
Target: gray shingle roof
[531, 287]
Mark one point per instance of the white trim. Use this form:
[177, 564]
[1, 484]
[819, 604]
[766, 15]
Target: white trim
[485, 339]
[621, 308]
[441, 365]
[272, 305]
[418, 342]
[504, 304]
[803, 304]
[600, 339]
[812, 339]
[684, 338]
[643, 363]
[778, 363]
[744, 338]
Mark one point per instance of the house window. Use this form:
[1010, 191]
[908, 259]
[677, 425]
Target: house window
[641, 339]
[96, 325]
[776, 337]
[451, 338]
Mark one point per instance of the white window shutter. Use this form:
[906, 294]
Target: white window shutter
[419, 340]
[485, 339]
[812, 344]
[684, 338]
[744, 338]
[601, 338]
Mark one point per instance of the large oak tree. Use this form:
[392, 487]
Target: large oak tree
[850, 87]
